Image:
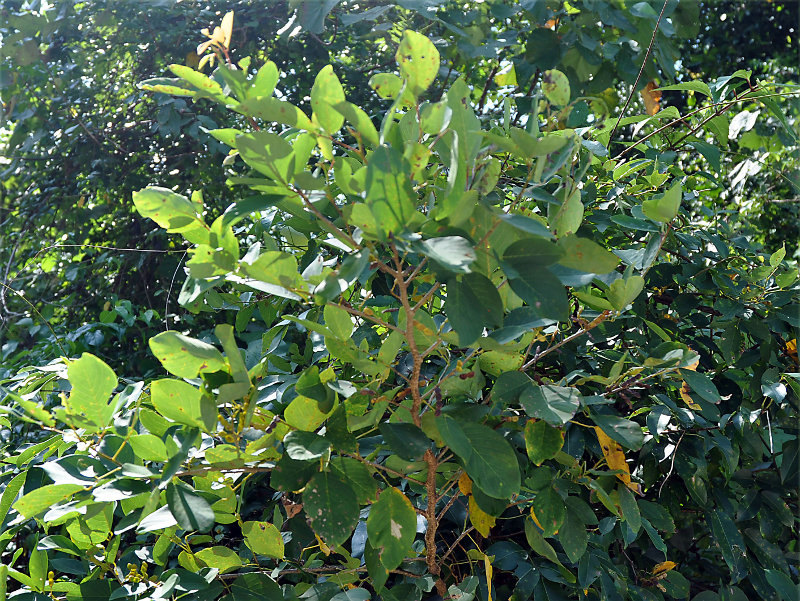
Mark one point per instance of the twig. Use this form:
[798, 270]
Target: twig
[641, 70]
[169, 292]
[39, 314]
[486, 87]
[458, 540]
[591, 325]
[671, 464]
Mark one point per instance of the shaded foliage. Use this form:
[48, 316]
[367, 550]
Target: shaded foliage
[476, 310]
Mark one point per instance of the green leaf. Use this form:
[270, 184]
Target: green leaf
[268, 154]
[358, 476]
[554, 404]
[326, 93]
[252, 586]
[386, 85]
[623, 291]
[555, 86]
[694, 86]
[538, 544]
[278, 111]
[584, 255]
[434, 117]
[701, 384]
[569, 216]
[472, 304]
[224, 333]
[377, 572]
[310, 385]
[183, 403]
[783, 585]
[353, 594]
[709, 151]
[338, 321]
[629, 510]
[550, 510]
[532, 253]
[406, 440]
[221, 558]
[10, 492]
[265, 80]
[37, 568]
[311, 14]
[263, 538]
[203, 83]
[274, 267]
[452, 252]
[192, 511]
[148, 447]
[289, 475]
[340, 280]
[488, 457]
[418, 60]
[629, 167]
[626, 432]
[542, 441]
[525, 262]
[92, 384]
[306, 446]
[391, 527]
[389, 194]
[664, 208]
[360, 121]
[183, 356]
[40, 499]
[174, 212]
[729, 541]
[305, 413]
[573, 536]
[174, 86]
[331, 507]
[509, 386]
[543, 292]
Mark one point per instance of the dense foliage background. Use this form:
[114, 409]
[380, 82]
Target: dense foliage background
[516, 319]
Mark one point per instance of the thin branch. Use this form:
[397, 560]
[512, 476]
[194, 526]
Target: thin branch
[486, 86]
[671, 464]
[169, 292]
[39, 314]
[341, 235]
[458, 540]
[641, 70]
[585, 329]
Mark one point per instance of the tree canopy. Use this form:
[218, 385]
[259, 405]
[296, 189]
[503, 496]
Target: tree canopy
[400, 300]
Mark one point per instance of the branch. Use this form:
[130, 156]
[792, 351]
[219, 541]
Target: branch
[641, 70]
[589, 326]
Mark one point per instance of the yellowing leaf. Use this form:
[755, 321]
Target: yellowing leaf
[482, 521]
[227, 29]
[506, 77]
[192, 60]
[487, 564]
[615, 458]
[685, 389]
[535, 519]
[326, 550]
[791, 348]
[465, 484]
[664, 567]
[652, 98]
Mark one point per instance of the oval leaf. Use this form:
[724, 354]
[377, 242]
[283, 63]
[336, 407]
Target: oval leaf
[391, 527]
[331, 507]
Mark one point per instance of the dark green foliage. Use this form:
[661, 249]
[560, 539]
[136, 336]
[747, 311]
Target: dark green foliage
[457, 311]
